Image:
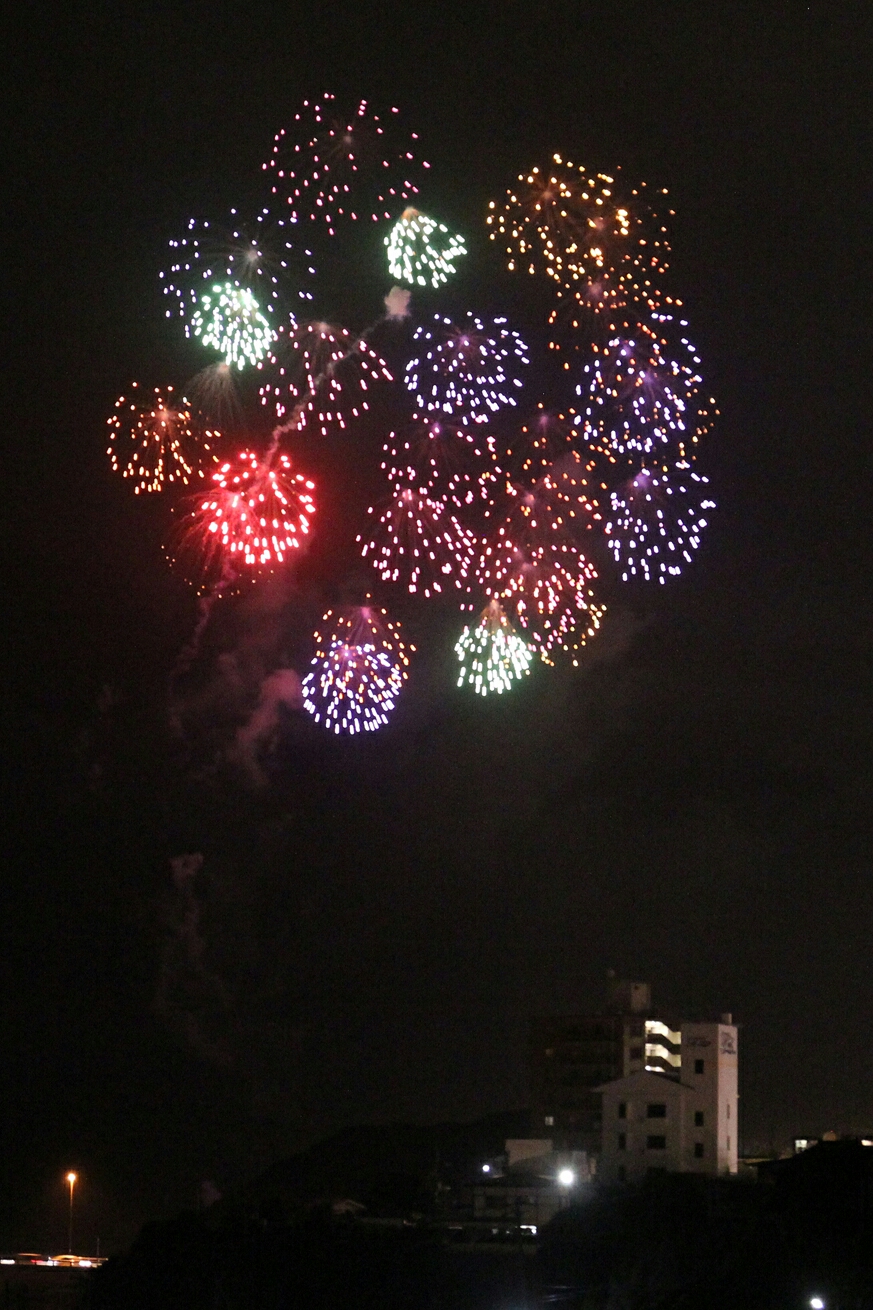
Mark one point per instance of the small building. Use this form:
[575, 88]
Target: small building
[682, 1122]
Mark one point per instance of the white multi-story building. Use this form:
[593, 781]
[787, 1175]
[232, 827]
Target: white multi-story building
[680, 1121]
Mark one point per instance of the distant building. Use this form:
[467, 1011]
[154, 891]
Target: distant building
[681, 1121]
[571, 1056]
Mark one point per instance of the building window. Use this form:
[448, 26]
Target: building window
[728, 1109]
[698, 1118]
[549, 1121]
[656, 1143]
[622, 1109]
[622, 1141]
[698, 1150]
[622, 1174]
[657, 1111]
[728, 1143]
[636, 1052]
[698, 1066]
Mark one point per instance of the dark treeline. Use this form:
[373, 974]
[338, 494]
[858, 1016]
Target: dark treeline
[675, 1242]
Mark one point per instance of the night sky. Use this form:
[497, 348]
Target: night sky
[375, 920]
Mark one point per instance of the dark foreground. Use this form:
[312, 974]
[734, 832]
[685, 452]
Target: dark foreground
[678, 1242]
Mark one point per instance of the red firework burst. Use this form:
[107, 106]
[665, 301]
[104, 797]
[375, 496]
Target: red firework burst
[255, 518]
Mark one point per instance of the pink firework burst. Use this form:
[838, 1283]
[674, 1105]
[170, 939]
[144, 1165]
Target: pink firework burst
[323, 374]
[338, 163]
[454, 465]
[550, 586]
[419, 544]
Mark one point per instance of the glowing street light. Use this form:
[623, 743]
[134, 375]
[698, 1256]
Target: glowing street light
[71, 1179]
[567, 1177]
[817, 1303]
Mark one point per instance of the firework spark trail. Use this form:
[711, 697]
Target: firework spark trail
[187, 656]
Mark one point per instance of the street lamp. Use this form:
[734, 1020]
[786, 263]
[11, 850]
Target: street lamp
[567, 1177]
[71, 1179]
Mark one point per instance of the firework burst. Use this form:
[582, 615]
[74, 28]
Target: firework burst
[550, 587]
[256, 516]
[466, 372]
[334, 164]
[229, 320]
[603, 247]
[655, 520]
[550, 486]
[418, 544]
[421, 251]
[642, 395]
[323, 374]
[158, 439]
[259, 257]
[492, 655]
[455, 466]
[359, 668]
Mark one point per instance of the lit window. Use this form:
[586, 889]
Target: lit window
[656, 1143]
[698, 1118]
[622, 1141]
[698, 1066]
[656, 1111]
[698, 1150]
[622, 1109]
[550, 1121]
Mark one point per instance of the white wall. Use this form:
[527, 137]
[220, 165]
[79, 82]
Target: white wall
[714, 1092]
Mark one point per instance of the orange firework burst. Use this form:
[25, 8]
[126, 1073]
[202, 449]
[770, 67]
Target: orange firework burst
[158, 439]
[598, 243]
